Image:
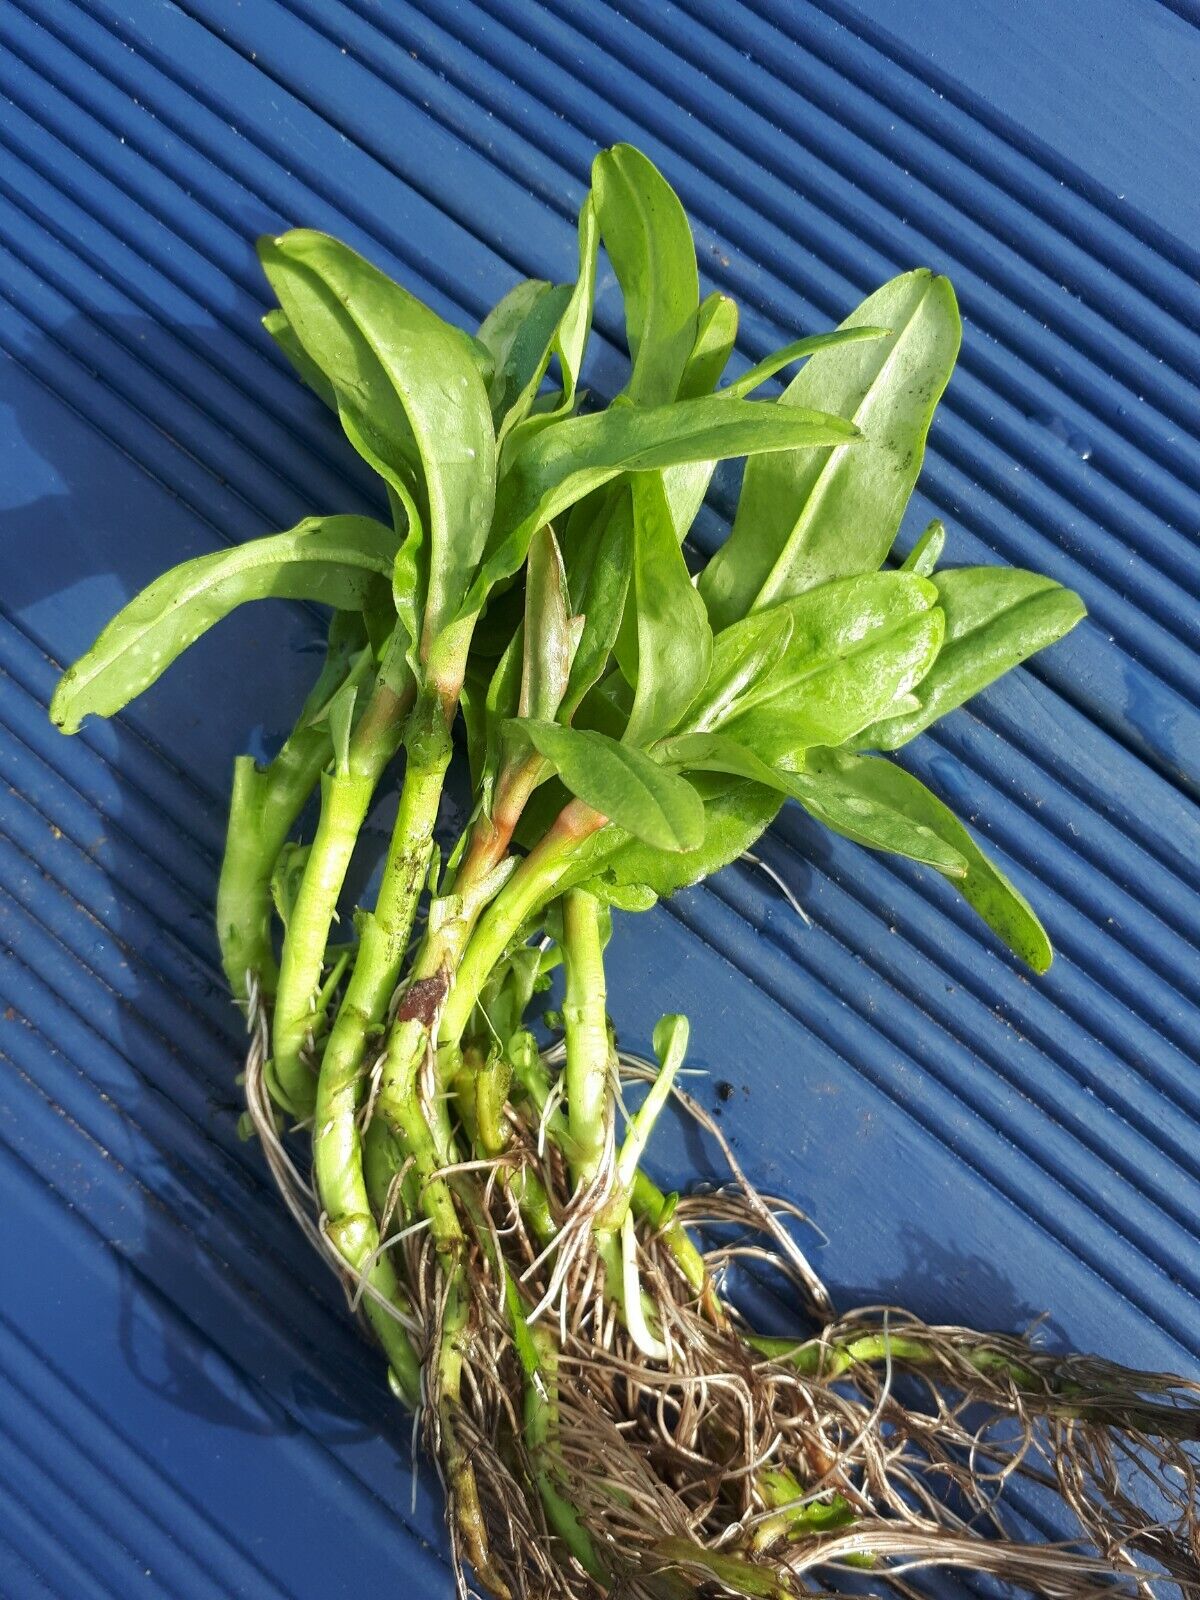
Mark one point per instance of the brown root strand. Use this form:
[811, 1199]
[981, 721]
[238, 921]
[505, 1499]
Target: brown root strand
[730, 1471]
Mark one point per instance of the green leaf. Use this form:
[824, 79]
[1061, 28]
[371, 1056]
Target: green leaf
[532, 675]
[742, 655]
[280, 329]
[471, 702]
[599, 570]
[717, 752]
[736, 813]
[927, 551]
[804, 519]
[798, 350]
[341, 725]
[686, 486]
[848, 808]
[562, 464]
[625, 785]
[501, 328]
[549, 636]
[855, 645]
[716, 335]
[349, 653]
[649, 242]
[673, 640]
[995, 618]
[501, 702]
[410, 394]
[517, 331]
[286, 877]
[344, 562]
[568, 341]
[716, 331]
[1001, 905]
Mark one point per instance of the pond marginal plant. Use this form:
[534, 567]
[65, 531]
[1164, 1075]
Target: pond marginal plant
[604, 1419]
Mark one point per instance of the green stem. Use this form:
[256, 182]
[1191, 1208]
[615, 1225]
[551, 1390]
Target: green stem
[400, 1107]
[647, 1200]
[337, 1140]
[263, 809]
[530, 887]
[474, 883]
[832, 1359]
[541, 1436]
[1046, 1389]
[265, 804]
[652, 1206]
[345, 798]
[798, 1516]
[586, 1025]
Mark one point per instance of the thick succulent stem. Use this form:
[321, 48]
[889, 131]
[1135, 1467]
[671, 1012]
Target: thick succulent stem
[1048, 1385]
[337, 1138]
[541, 1439]
[264, 806]
[531, 886]
[400, 1107]
[345, 798]
[589, 1052]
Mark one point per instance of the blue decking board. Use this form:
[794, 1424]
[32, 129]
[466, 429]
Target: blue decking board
[197, 1412]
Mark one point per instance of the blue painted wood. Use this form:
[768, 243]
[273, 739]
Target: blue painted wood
[188, 1411]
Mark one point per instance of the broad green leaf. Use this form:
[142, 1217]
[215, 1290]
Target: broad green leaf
[686, 486]
[854, 644]
[599, 574]
[474, 715]
[326, 338]
[501, 702]
[716, 335]
[562, 464]
[798, 350]
[736, 813]
[717, 752]
[576, 323]
[830, 701]
[1001, 905]
[501, 327]
[846, 807]
[742, 655]
[409, 386]
[804, 519]
[286, 879]
[625, 785]
[344, 562]
[649, 242]
[567, 341]
[409, 570]
[927, 551]
[341, 724]
[673, 639]
[532, 352]
[549, 637]
[607, 707]
[349, 653]
[280, 329]
[995, 618]
[716, 331]
[518, 331]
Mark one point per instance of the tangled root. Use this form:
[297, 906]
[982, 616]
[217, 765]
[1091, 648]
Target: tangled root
[740, 1466]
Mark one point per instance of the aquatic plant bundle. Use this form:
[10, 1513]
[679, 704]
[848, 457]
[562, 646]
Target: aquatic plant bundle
[604, 1419]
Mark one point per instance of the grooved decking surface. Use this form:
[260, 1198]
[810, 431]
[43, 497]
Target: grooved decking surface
[186, 1409]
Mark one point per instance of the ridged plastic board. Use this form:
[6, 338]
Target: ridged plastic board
[186, 1408]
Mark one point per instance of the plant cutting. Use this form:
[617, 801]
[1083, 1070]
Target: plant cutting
[466, 1149]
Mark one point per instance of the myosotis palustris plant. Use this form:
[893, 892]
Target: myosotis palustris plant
[604, 1420]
